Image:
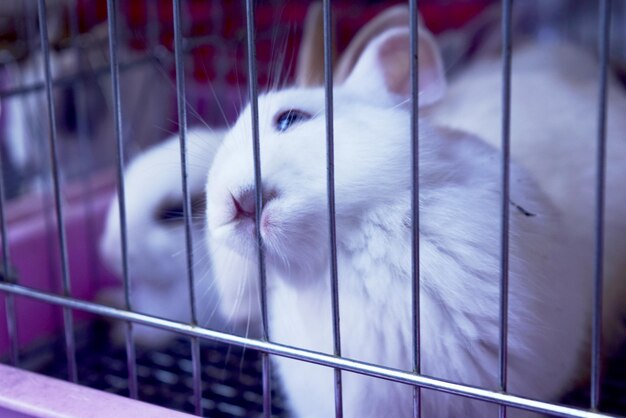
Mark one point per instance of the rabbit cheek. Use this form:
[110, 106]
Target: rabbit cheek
[268, 223]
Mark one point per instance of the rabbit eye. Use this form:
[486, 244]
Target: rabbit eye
[285, 119]
[173, 212]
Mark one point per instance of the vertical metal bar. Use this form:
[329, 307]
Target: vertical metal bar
[12, 327]
[9, 298]
[37, 131]
[254, 111]
[121, 195]
[330, 187]
[182, 124]
[197, 375]
[79, 95]
[6, 272]
[415, 238]
[604, 44]
[507, 54]
[54, 156]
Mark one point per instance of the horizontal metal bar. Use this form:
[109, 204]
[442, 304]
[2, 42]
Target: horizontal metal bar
[346, 364]
[71, 79]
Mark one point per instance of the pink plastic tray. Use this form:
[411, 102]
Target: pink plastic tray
[34, 254]
[25, 394]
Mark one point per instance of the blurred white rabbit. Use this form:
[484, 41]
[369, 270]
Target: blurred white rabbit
[156, 235]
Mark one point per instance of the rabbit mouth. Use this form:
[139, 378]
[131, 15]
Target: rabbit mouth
[243, 206]
[239, 217]
[292, 246]
[290, 230]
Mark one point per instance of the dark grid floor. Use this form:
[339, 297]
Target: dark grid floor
[231, 376]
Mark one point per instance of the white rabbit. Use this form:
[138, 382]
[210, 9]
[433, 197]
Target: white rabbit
[156, 236]
[460, 198]
[554, 134]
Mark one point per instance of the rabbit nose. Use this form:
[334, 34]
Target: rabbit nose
[245, 206]
[245, 202]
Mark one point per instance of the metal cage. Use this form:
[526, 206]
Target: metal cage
[66, 299]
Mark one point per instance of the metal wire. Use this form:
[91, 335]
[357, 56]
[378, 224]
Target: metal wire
[604, 44]
[9, 298]
[196, 375]
[191, 329]
[68, 321]
[121, 195]
[415, 213]
[14, 354]
[323, 359]
[507, 54]
[330, 186]
[37, 130]
[254, 111]
[79, 96]
[182, 123]
[78, 77]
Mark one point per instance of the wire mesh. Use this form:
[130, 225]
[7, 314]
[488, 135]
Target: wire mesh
[330, 171]
[121, 195]
[268, 401]
[603, 36]
[187, 210]
[60, 224]
[258, 203]
[507, 52]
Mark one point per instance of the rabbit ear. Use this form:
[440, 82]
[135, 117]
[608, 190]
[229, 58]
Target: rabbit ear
[385, 64]
[310, 67]
[397, 16]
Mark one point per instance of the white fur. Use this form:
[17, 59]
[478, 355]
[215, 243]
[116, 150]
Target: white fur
[460, 198]
[156, 248]
[554, 134]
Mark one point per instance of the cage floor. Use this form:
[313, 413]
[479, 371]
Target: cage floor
[231, 376]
